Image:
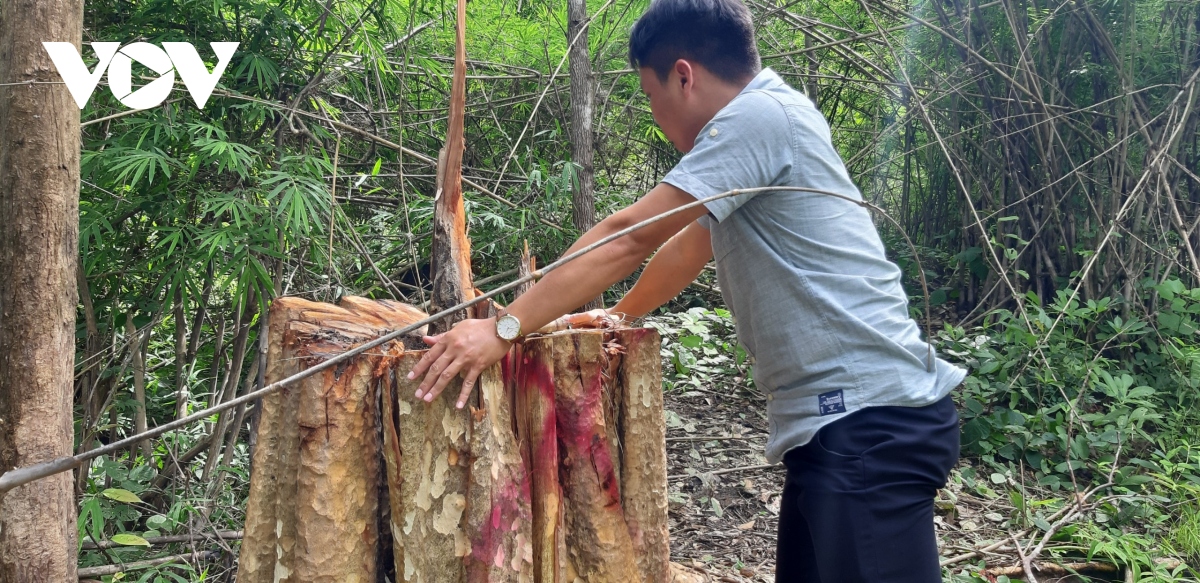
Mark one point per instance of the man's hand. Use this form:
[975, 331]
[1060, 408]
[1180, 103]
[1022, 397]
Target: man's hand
[467, 349]
[597, 318]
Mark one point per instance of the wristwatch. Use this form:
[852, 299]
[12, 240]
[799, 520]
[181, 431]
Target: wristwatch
[508, 327]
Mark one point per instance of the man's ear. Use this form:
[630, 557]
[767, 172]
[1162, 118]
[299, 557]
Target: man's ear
[686, 74]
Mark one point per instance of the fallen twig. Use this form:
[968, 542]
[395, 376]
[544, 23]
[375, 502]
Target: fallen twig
[978, 552]
[1067, 569]
[136, 565]
[712, 438]
[168, 539]
[1078, 509]
[1026, 561]
[727, 471]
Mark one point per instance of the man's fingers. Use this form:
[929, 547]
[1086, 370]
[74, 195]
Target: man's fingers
[435, 371]
[430, 357]
[431, 364]
[467, 386]
[462, 350]
[442, 379]
[432, 340]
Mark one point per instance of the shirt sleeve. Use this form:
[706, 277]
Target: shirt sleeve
[746, 145]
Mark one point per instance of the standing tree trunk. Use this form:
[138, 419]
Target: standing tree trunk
[583, 199]
[39, 249]
[810, 83]
[137, 347]
[181, 376]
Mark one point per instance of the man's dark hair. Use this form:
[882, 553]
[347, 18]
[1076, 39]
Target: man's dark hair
[717, 34]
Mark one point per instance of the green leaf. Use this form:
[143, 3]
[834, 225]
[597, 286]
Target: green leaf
[973, 405]
[975, 431]
[130, 540]
[1142, 391]
[121, 495]
[158, 522]
[91, 519]
[1071, 465]
[1136, 480]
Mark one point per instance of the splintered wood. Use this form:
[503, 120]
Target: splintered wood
[556, 475]
[451, 260]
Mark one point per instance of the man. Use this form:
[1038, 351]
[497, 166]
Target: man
[858, 413]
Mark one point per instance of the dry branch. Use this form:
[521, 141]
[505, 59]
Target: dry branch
[168, 539]
[1067, 569]
[138, 565]
[24, 475]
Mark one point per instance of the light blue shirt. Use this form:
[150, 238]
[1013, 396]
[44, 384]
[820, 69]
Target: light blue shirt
[815, 299]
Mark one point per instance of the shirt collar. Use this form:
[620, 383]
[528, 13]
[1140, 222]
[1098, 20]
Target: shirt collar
[765, 79]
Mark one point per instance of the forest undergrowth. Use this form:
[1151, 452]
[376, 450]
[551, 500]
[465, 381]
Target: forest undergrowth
[1079, 436]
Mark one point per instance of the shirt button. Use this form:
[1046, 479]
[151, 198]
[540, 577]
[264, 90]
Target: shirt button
[713, 132]
[770, 397]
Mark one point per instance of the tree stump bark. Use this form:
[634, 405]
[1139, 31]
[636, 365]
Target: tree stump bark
[557, 475]
[313, 509]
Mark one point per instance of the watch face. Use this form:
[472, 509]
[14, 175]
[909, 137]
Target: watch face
[508, 327]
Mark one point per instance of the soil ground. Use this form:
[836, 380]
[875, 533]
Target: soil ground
[724, 497]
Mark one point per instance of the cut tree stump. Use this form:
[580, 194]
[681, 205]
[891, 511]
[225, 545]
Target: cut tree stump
[556, 475]
[313, 511]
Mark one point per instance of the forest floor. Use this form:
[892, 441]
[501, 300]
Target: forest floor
[724, 504]
[724, 497]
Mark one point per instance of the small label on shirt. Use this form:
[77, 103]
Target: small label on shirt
[831, 402]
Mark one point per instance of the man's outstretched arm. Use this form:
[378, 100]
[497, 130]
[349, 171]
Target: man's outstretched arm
[673, 268]
[472, 345]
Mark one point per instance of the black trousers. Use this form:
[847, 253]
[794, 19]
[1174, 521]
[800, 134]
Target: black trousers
[858, 501]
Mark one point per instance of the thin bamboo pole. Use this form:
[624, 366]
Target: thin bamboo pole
[24, 475]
